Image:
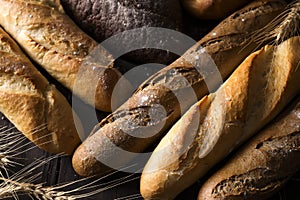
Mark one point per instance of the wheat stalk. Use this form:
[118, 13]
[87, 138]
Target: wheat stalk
[9, 142]
[12, 145]
[22, 182]
[284, 26]
[10, 188]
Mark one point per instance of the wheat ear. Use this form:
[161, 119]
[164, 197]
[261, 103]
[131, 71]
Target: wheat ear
[13, 144]
[23, 182]
[284, 26]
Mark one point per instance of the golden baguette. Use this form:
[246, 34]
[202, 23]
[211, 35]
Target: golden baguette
[52, 40]
[155, 106]
[263, 165]
[252, 96]
[33, 105]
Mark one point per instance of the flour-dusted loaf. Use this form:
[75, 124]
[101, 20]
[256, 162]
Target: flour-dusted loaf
[52, 40]
[253, 95]
[34, 106]
[263, 165]
[159, 101]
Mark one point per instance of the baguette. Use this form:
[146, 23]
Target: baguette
[253, 95]
[52, 40]
[263, 165]
[34, 106]
[154, 107]
[212, 9]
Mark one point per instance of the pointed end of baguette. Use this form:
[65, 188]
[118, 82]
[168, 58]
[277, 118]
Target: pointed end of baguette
[104, 91]
[152, 185]
[85, 164]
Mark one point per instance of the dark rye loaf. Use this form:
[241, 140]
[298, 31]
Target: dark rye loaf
[105, 18]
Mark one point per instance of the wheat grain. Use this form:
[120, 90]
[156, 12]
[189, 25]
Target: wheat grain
[23, 182]
[11, 188]
[284, 26]
[12, 145]
[9, 141]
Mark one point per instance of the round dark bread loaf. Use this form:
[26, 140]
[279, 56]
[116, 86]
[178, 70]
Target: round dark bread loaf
[105, 18]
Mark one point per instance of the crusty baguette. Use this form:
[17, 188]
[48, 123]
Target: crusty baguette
[263, 165]
[212, 9]
[51, 39]
[252, 96]
[140, 115]
[33, 105]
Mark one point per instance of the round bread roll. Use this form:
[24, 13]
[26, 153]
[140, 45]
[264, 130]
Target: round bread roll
[105, 18]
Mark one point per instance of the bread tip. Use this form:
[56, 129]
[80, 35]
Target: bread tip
[205, 194]
[113, 89]
[86, 165]
[79, 161]
[152, 185]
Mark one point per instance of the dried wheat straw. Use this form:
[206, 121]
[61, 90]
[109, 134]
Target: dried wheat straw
[284, 26]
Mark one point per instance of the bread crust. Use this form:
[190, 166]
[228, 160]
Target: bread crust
[52, 40]
[225, 45]
[232, 114]
[263, 165]
[33, 105]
